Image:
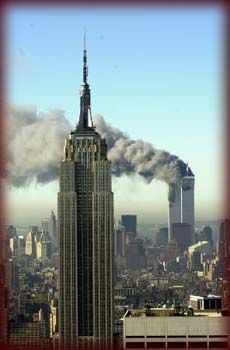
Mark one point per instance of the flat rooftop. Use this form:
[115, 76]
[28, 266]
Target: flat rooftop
[164, 312]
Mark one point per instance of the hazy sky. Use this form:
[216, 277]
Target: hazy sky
[154, 72]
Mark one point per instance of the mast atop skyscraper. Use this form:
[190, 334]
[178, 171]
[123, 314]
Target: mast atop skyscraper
[85, 110]
[85, 67]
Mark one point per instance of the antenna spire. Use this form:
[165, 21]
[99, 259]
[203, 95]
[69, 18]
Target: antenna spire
[84, 38]
[85, 110]
[85, 67]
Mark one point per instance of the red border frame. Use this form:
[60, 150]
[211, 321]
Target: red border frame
[226, 195]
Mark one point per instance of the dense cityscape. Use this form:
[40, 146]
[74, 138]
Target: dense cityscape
[149, 274]
[114, 203]
[121, 273]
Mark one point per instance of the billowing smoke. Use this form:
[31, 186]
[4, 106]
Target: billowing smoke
[130, 156]
[36, 143]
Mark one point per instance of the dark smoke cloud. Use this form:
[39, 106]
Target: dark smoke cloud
[36, 143]
[130, 156]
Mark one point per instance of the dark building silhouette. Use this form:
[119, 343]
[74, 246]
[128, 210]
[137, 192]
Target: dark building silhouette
[86, 231]
[206, 234]
[12, 274]
[196, 264]
[224, 260]
[182, 233]
[4, 248]
[130, 224]
[162, 237]
[135, 255]
[120, 241]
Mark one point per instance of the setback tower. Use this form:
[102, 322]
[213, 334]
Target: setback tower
[85, 229]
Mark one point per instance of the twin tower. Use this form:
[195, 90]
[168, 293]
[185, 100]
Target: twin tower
[85, 213]
[181, 204]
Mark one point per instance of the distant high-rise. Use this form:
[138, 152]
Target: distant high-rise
[35, 230]
[30, 245]
[174, 214]
[135, 255]
[45, 225]
[120, 241]
[162, 237]
[182, 233]
[52, 226]
[43, 246]
[12, 274]
[187, 200]
[130, 224]
[181, 202]
[224, 259]
[206, 234]
[85, 230]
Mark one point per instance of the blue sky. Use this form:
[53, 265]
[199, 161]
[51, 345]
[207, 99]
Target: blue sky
[155, 73]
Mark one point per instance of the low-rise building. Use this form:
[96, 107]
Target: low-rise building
[209, 302]
[162, 328]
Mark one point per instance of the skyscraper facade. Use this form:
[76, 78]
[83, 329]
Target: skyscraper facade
[130, 224]
[187, 200]
[30, 245]
[52, 226]
[85, 229]
[182, 233]
[120, 241]
[181, 202]
[174, 214]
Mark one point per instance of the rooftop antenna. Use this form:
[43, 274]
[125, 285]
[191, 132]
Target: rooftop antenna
[84, 38]
[85, 67]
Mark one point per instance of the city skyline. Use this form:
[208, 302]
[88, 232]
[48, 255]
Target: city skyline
[165, 105]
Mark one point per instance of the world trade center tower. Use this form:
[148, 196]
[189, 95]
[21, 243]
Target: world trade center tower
[86, 231]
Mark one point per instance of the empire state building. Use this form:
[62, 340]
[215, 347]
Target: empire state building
[85, 228]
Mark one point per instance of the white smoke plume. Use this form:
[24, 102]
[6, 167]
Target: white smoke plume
[34, 144]
[35, 148]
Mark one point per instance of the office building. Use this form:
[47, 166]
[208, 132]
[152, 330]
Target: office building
[86, 231]
[35, 231]
[130, 224]
[45, 225]
[196, 261]
[14, 245]
[162, 237]
[120, 241]
[206, 234]
[182, 233]
[171, 251]
[53, 317]
[174, 208]
[209, 302]
[52, 226]
[224, 259]
[181, 201]
[30, 245]
[43, 246]
[12, 274]
[160, 328]
[20, 251]
[135, 255]
[187, 199]
[4, 304]
[31, 332]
